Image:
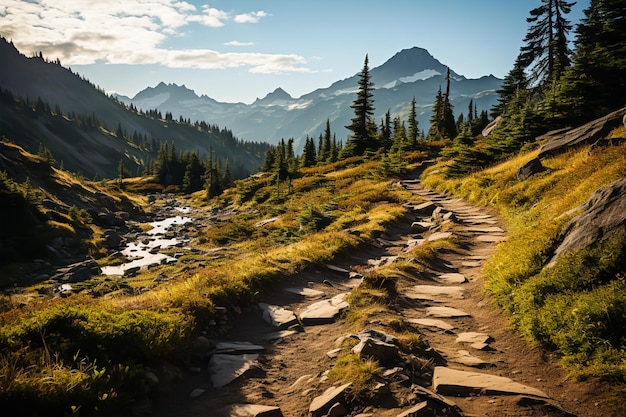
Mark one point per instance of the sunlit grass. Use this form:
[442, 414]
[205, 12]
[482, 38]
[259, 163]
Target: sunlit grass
[546, 304]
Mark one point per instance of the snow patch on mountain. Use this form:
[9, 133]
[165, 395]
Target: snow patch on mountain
[422, 75]
[300, 105]
[343, 91]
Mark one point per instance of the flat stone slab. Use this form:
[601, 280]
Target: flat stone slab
[485, 229]
[471, 264]
[417, 410]
[281, 334]
[252, 410]
[451, 278]
[448, 381]
[429, 292]
[445, 312]
[491, 238]
[278, 316]
[473, 337]
[322, 403]
[465, 358]
[224, 368]
[440, 324]
[337, 268]
[439, 236]
[305, 291]
[237, 348]
[324, 311]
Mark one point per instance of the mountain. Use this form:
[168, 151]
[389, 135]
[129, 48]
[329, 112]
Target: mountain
[43, 103]
[410, 73]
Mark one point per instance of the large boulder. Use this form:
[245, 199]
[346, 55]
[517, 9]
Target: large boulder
[600, 217]
[529, 169]
[558, 141]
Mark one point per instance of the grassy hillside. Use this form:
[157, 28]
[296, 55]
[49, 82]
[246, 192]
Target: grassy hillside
[578, 306]
[90, 351]
[64, 355]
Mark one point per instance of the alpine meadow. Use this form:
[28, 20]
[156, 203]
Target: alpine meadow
[405, 242]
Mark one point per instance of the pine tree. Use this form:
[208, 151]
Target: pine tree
[448, 124]
[596, 83]
[361, 138]
[436, 117]
[227, 179]
[309, 158]
[545, 52]
[385, 132]
[324, 155]
[513, 82]
[270, 159]
[413, 125]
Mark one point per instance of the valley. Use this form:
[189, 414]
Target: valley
[404, 242]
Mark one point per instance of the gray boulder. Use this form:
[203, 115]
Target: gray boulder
[561, 140]
[529, 169]
[600, 217]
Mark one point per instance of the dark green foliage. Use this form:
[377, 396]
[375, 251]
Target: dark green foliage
[442, 122]
[363, 127]
[579, 305]
[545, 52]
[596, 82]
[309, 154]
[313, 220]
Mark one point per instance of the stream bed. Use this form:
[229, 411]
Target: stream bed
[145, 251]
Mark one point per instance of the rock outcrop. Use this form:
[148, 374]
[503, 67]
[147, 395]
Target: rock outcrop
[558, 141]
[600, 217]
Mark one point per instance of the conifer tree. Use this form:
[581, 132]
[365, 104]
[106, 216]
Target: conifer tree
[309, 158]
[413, 125]
[596, 83]
[385, 131]
[227, 179]
[436, 117]
[545, 53]
[448, 128]
[324, 155]
[361, 138]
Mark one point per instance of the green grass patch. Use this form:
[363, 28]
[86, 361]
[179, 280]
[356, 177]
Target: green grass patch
[577, 306]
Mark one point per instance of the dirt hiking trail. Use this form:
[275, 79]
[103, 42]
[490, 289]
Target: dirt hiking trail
[476, 365]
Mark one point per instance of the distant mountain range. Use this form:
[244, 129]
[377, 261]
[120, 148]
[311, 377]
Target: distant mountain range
[90, 132]
[409, 73]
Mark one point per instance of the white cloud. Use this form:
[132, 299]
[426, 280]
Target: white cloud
[253, 17]
[237, 43]
[211, 17]
[82, 32]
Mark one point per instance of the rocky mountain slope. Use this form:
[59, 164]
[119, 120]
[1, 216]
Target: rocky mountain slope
[410, 73]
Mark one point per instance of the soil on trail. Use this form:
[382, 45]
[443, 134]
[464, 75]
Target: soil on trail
[290, 369]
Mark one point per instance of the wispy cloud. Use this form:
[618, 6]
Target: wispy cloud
[237, 43]
[82, 32]
[253, 17]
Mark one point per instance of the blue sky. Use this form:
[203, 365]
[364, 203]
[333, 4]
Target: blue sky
[238, 50]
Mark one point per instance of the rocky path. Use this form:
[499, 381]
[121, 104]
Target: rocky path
[275, 360]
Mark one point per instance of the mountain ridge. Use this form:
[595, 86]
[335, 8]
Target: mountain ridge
[91, 132]
[412, 72]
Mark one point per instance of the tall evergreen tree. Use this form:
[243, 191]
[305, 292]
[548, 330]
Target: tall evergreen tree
[596, 83]
[362, 136]
[413, 125]
[513, 82]
[385, 131]
[442, 122]
[448, 124]
[437, 115]
[545, 53]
